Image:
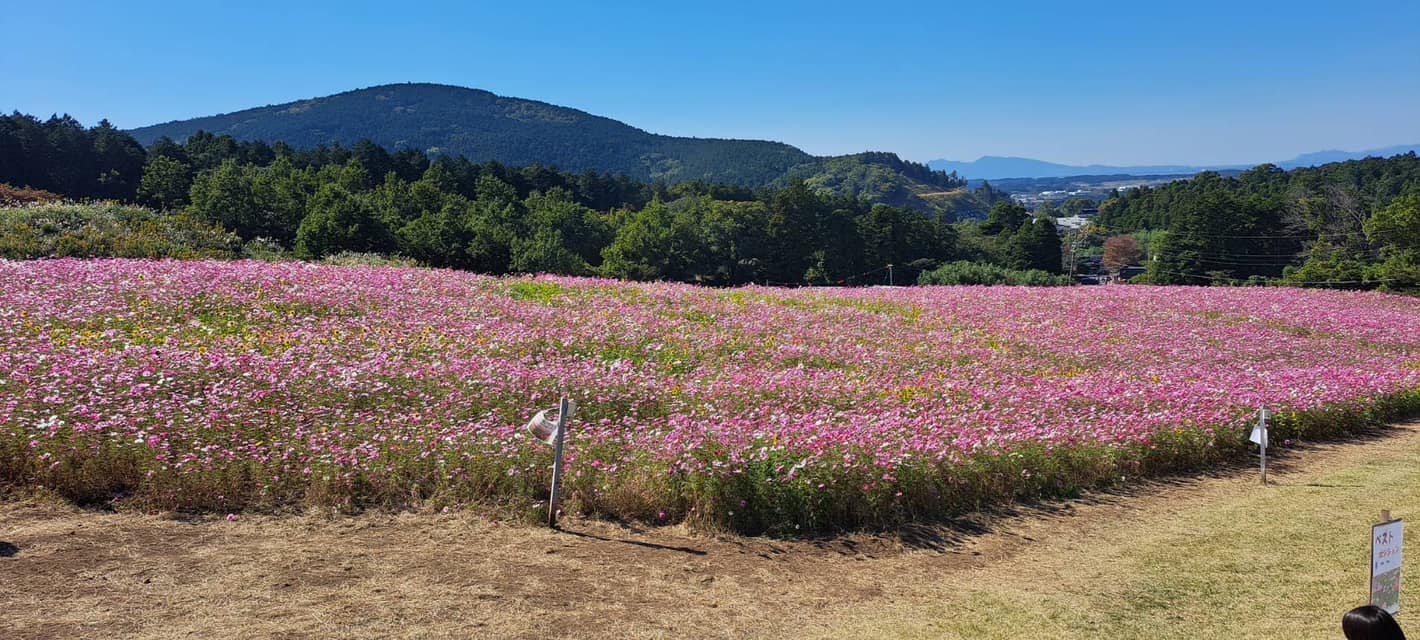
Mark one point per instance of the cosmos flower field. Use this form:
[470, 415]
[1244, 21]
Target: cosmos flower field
[231, 386]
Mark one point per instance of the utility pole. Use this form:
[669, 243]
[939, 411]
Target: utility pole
[1075, 251]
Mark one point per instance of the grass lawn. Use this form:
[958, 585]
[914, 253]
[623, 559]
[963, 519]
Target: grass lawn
[1226, 558]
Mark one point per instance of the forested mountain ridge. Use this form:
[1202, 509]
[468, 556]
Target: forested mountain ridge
[479, 125]
[449, 120]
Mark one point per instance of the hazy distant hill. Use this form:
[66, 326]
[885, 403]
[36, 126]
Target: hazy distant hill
[998, 167]
[1319, 158]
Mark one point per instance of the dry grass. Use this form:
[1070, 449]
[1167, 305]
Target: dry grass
[1216, 557]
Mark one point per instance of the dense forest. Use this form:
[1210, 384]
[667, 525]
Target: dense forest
[1349, 224]
[444, 120]
[1353, 224]
[452, 212]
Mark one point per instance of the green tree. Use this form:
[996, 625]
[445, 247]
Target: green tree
[494, 222]
[282, 192]
[546, 252]
[902, 236]
[439, 237]
[165, 183]
[1396, 227]
[338, 220]
[117, 162]
[655, 244]
[1005, 217]
[793, 231]
[1036, 245]
[581, 231]
[225, 196]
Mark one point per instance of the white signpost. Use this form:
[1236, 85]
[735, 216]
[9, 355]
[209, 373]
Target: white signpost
[554, 432]
[1259, 436]
[1387, 547]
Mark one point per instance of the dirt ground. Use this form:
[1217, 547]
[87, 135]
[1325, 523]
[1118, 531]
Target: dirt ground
[71, 573]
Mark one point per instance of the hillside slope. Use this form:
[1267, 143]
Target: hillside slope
[484, 126]
[886, 178]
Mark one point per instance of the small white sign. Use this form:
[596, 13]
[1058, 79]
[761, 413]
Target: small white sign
[545, 429]
[1259, 432]
[1387, 547]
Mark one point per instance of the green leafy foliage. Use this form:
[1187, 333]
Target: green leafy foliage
[109, 230]
[165, 183]
[882, 178]
[1344, 225]
[1036, 246]
[63, 156]
[976, 273]
[339, 221]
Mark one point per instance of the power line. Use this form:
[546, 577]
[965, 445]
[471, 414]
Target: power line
[1275, 236]
[1288, 283]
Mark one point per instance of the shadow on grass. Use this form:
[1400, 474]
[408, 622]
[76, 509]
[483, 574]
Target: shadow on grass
[649, 545]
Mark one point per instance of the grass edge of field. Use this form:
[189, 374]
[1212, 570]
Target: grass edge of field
[1236, 560]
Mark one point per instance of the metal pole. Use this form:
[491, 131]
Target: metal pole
[563, 415]
[1262, 446]
[1264, 463]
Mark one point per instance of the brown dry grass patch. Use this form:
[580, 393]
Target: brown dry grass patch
[1199, 557]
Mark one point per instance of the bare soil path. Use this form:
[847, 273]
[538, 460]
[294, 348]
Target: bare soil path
[1199, 557]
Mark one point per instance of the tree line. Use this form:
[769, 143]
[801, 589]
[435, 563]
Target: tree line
[1353, 224]
[451, 212]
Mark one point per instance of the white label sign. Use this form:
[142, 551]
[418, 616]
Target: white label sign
[1259, 432]
[1387, 548]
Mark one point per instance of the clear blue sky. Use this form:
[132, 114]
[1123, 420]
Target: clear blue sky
[1079, 82]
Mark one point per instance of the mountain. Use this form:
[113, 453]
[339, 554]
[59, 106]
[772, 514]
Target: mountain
[442, 119]
[484, 126]
[998, 167]
[1319, 158]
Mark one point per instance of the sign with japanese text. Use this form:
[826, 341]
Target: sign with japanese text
[1387, 546]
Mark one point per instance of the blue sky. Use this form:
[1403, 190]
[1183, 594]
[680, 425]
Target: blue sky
[1083, 82]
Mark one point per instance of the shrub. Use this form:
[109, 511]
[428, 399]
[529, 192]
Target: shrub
[357, 259]
[109, 230]
[980, 273]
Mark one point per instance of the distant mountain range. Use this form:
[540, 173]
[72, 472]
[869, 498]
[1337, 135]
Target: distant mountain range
[998, 167]
[443, 119]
